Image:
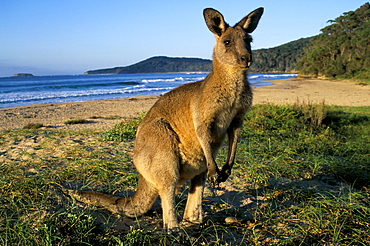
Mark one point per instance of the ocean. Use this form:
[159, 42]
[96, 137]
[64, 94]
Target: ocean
[19, 91]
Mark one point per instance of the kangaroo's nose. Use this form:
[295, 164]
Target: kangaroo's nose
[246, 60]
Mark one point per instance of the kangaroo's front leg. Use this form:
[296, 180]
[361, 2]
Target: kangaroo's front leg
[232, 133]
[204, 134]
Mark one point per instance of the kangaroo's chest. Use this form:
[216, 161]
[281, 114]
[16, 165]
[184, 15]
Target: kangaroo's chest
[230, 106]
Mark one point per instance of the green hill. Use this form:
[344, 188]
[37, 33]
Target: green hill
[282, 58]
[160, 64]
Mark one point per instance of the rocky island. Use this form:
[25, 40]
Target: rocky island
[23, 75]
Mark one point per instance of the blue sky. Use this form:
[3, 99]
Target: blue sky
[49, 37]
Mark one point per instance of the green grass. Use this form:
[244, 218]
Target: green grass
[125, 131]
[301, 178]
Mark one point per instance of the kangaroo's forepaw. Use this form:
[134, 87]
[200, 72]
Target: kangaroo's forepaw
[224, 174]
[213, 179]
[222, 178]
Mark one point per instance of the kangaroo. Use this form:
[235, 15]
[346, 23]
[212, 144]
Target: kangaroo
[179, 138]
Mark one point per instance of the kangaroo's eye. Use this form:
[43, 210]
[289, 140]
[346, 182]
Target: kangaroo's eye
[227, 42]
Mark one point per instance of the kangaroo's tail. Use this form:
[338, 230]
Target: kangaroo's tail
[133, 206]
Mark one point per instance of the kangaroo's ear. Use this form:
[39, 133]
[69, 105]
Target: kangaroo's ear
[250, 22]
[215, 21]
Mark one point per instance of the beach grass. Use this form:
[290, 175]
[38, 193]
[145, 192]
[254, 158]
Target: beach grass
[301, 178]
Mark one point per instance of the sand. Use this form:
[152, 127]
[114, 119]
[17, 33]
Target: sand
[104, 114]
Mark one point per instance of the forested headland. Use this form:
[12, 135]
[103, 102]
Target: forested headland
[282, 58]
[342, 50]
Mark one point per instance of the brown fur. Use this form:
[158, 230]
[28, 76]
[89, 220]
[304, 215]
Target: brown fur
[179, 138]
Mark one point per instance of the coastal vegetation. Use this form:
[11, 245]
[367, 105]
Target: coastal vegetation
[301, 178]
[342, 50]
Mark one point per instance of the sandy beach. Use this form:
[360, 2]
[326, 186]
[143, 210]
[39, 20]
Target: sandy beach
[105, 114]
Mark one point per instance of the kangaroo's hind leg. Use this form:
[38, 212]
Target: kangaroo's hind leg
[157, 160]
[193, 210]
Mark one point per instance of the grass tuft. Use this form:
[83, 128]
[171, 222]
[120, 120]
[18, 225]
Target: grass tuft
[124, 131]
[76, 121]
[33, 126]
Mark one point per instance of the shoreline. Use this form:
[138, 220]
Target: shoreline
[104, 114]
[331, 92]
[100, 114]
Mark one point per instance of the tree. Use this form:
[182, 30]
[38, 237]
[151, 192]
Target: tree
[342, 49]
